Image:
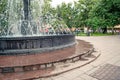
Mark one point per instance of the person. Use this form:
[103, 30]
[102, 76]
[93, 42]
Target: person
[46, 30]
[88, 31]
[77, 31]
[119, 32]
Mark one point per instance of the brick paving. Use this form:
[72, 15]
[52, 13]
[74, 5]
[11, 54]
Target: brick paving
[106, 67]
[24, 60]
[107, 72]
[10, 61]
[25, 75]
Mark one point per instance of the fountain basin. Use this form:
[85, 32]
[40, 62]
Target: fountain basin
[34, 44]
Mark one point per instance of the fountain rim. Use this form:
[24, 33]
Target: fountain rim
[30, 36]
[54, 44]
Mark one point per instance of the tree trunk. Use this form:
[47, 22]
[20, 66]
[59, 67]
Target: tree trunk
[112, 30]
[88, 31]
[104, 30]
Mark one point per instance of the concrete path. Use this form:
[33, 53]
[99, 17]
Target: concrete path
[106, 67]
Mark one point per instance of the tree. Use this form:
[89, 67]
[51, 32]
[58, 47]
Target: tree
[2, 6]
[65, 11]
[47, 6]
[109, 12]
[3, 14]
[84, 7]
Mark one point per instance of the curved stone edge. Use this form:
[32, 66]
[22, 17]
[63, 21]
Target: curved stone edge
[32, 45]
[71, 59]
[34, 51]
[25, 68]
[61, 72]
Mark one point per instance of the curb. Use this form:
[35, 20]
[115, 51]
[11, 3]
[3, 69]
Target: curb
[55, 74]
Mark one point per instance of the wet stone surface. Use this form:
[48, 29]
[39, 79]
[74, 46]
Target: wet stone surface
[107, 72]
[33, 66]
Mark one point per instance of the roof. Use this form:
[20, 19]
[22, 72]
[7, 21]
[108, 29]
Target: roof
[118, 26]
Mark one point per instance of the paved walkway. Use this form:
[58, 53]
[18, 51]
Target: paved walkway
[106, 67]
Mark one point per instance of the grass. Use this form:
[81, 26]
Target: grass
[101, 34]
[94, 34]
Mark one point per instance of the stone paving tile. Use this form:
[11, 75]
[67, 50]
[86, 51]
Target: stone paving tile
[117, 63]
[109, 46]
[87, 77]
[60, 78]
[114, 61]
[92, 70]
[107, 72]
[79, 78]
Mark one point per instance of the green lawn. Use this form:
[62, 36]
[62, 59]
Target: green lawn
[95, 34]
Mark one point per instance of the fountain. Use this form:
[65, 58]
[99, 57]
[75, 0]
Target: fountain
[26, 30]
[33, 44]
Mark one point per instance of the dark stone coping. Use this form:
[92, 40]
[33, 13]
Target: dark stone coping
[35, 44]
[34, 37]
[34, 51]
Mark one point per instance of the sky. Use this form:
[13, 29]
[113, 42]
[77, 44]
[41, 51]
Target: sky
[54, 3]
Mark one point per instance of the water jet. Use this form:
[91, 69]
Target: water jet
[28, 31]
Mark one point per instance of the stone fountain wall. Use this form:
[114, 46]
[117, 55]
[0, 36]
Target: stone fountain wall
[36, 44]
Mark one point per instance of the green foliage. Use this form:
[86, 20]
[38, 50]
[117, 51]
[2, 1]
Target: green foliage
[3, 21]
[108, 11]
[2, 6]
[58, 24]
[65, 12]
[46, 7]
[95, 34]
[90, 13]
[84, 7]
[77, 15]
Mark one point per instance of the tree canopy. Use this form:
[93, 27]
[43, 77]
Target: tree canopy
[89, 13]
[109, 11]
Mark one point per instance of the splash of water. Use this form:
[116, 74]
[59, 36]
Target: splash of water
[25, 18]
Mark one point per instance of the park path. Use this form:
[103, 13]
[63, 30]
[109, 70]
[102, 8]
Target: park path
[106, 67]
